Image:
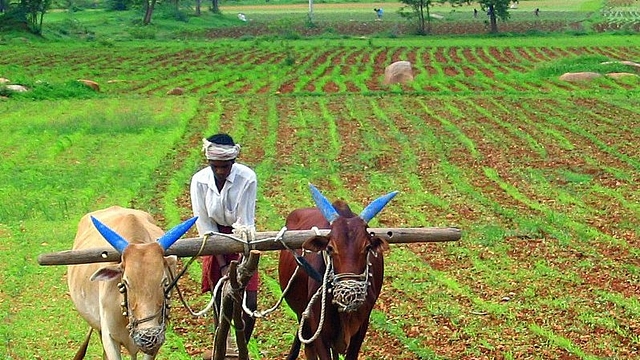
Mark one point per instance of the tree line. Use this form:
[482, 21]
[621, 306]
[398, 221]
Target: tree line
[29, 14]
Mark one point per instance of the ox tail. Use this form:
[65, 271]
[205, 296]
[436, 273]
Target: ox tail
[83, 349]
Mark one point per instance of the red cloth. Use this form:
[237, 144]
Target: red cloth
[211, 269]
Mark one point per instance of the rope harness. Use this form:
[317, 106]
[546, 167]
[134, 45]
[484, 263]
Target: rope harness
[349, 293]
[151, 338]
[349, 290]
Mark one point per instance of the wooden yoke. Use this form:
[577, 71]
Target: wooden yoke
[232, 297]
[219, 244]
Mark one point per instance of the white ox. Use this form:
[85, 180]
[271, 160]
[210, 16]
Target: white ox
[126, 302]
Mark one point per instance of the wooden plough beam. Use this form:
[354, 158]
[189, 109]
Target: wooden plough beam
[219, 244]
[240, 273]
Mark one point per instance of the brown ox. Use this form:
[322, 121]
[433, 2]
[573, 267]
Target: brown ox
[127, 301]
[339, 280]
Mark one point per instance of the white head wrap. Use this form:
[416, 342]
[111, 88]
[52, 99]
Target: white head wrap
[213, 151]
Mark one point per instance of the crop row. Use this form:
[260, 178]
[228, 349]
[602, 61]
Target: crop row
[311, 70]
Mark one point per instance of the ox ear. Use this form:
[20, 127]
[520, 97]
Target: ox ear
[174, 234]
[376, 206]
[379, 244]
[118, 242]
[328, 211]
[316, 243]
[107, 273]
[171, 261]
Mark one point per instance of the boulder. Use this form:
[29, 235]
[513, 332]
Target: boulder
[90, 83]
[579, 76]
[176, 91]
[398, 72]
[17, 88]
[4, 80]
[623, 62]
[620, 75]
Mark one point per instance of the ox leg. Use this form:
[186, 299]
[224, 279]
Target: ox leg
[310, 352]
[356, 342]
[111, 348]
[295, 349]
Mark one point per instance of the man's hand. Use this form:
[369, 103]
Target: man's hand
[244, 232]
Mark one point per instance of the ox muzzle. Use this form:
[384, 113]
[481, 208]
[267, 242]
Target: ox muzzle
[147, 339]
[349, 290]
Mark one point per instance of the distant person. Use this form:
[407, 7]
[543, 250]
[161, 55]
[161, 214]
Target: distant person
[378, 13]
[475, 13]
[537, 11]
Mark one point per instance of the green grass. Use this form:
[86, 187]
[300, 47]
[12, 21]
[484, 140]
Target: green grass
[540, 175]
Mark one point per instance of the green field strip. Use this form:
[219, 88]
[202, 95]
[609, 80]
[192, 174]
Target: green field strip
[554, 218]
[418, 142]
[380, 322]
[530, 113]
[455, 176]
[300, 63]
[516, 131]
[571, 123]
[438, 191]
[492, 63]
[315, 70]
[561, 342]
[453, 129]
[329, 69]
[434, 287]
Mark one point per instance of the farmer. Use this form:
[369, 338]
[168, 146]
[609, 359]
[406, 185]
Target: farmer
[223, 197]
[378, 13]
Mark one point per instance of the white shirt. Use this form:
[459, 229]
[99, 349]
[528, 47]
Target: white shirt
[236, 203]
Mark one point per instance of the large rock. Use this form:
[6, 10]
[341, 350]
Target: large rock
[90, 83]
[619, 75]
[4, 80]
[398, 72]
[17, 88]
[623, 62]
[176, 91]
[580, 76]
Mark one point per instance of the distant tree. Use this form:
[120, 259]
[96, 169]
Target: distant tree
[24, 15]
[148, 6]
[419, 10]
[215, 7]
[495, 9]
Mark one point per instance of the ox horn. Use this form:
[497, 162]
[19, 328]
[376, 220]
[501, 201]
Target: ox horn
[117, 241]
[376, 206]
[328, 211]
[175, 233]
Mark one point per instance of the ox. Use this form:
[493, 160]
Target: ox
[342, 278]
[127, 303]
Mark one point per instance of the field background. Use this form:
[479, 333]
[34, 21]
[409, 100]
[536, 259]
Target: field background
[540, 174]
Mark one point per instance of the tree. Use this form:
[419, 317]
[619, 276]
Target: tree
[148, 5]
[495, 9]
[24, 15]
[419, 11]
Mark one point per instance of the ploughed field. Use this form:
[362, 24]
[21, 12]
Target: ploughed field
[542, 176]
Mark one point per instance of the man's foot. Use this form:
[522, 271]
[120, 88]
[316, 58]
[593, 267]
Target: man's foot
[207, 355]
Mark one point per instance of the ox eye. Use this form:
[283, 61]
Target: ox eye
[330, 249]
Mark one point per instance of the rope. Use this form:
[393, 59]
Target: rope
[305, 313]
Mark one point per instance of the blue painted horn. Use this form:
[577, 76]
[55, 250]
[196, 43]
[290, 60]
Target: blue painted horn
[117, 241]
[176, 232]
[120, 243]
[323, 204]
[376, 206]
